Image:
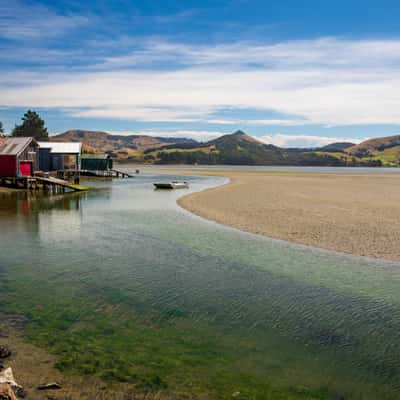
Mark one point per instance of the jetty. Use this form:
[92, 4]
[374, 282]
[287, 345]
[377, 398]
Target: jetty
[61, 183]
[39, 182]
[110, 173]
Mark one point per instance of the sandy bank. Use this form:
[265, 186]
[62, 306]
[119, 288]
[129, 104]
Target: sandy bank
[357, 214]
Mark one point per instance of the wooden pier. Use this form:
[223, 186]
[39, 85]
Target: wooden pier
[41, 183]
[61, 183]
[111, 173]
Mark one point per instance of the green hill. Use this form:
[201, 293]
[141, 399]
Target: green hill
[386, 150]
[241, 149]
[118, 146]
[374, 146]
[336, 147]
[235, 149]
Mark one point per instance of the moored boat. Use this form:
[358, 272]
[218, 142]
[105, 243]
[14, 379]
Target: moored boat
[171, 185]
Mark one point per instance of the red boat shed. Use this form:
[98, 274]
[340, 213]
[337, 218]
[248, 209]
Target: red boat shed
[19, 156]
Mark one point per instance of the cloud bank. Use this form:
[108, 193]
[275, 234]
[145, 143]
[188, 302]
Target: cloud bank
[304, 141]
[327, 82]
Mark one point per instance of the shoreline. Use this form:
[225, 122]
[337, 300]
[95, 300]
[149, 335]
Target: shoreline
[357, 214]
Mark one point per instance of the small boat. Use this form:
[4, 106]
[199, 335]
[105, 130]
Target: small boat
[171, 185]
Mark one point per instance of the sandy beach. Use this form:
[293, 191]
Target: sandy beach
[350, 213]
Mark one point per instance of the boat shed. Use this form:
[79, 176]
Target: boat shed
[19, 156]
[59, 156]
[96, 162]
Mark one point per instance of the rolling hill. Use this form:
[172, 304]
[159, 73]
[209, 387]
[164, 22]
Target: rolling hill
[118, 146]
[335, 147]
[374, 146]
[234, 149]
[241, 149]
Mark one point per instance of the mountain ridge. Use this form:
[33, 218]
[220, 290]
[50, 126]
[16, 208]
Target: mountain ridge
[237, 148]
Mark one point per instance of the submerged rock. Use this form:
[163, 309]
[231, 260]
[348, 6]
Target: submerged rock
[5, 352]
[6, 393]
[49, 386]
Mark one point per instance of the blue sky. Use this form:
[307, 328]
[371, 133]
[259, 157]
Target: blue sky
[293, 73]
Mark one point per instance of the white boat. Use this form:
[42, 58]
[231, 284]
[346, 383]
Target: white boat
[171, 185]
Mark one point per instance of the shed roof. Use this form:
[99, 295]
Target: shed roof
[14, 145]
[62, 147]
[95, 156]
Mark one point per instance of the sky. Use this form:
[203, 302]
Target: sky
[293, 73]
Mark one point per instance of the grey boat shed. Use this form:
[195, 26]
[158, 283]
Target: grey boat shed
[60, 156]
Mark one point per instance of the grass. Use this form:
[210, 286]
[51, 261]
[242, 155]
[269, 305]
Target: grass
[389, 157]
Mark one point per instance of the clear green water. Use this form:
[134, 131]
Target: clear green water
[121, 283]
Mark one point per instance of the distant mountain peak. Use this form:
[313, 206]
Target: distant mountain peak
[236, 137]
[239, 133]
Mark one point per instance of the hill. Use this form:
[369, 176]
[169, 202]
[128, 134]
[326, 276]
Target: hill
[335, 147]
[237, 148]
[373, 146]
[118, 146]
[383, 150]
[241, 149]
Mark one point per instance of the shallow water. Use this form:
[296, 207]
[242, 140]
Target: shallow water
[266, 310]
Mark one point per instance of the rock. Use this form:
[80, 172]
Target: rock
[19, 392]
[4, 351]
[6, 393]
[7, 377]
[49, 386]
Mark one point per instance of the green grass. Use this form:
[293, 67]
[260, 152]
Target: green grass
[389, 157]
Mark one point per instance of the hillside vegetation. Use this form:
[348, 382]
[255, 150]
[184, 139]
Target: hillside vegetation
[118, 146]
[234, 149]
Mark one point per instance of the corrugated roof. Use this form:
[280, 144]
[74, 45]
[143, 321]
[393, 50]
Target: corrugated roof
[14, 145]
[62, 147]
[95, 156]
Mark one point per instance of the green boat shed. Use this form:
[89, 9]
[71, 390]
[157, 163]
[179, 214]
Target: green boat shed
[96, 162]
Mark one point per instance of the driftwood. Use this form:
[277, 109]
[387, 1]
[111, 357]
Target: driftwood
[49, 386]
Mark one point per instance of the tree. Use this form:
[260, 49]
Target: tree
[1, 128]
[32, 126]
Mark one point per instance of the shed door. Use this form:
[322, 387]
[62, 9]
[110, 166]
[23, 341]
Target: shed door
[25, 168]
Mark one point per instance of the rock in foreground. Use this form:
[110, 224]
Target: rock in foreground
[5, 352]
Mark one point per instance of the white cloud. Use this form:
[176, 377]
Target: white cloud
[145, 114]
[325, 81]
[309, 141]
[323, 52]
[20, 21]
[263, 122]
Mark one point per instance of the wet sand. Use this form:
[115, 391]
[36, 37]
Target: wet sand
[357, 214]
